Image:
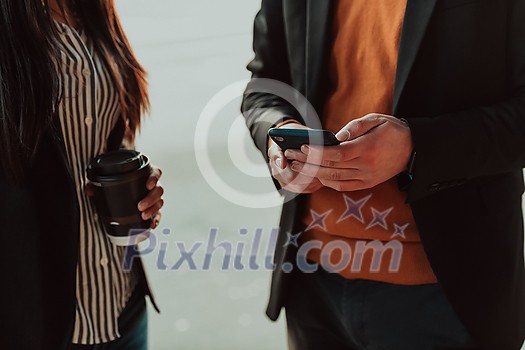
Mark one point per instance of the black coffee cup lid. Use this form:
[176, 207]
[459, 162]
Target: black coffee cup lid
[116, 163]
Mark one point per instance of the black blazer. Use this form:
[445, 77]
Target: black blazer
[461, 86]
[40, 240]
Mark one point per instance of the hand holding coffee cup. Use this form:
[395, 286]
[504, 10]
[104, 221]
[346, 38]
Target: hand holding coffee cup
[127, 195]
[148, 210]
[151, 205]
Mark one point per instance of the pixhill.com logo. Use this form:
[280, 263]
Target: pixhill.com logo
[254, 250]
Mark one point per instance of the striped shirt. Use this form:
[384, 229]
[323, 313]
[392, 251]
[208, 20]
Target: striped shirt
[88, 110]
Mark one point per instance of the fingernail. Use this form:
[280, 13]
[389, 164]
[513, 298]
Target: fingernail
[142, 205]
[289, 154]
[295, 166]
[343, 135]
[145, 216]
[279, 162]
[305, 149]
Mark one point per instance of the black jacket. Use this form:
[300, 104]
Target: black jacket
[40, 242]
[461, 86]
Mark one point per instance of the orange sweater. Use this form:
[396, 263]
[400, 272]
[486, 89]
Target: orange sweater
[375, 225]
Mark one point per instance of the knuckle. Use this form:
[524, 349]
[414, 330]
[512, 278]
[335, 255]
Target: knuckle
[335, 175]
[328, 163]
[340, 156]
[372, 117]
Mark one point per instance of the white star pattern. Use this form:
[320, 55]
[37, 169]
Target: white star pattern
[293, 239]
[354, 208]
[318, 220]
[399, 231]
[379, 218]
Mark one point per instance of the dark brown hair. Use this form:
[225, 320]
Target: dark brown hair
[29, 82]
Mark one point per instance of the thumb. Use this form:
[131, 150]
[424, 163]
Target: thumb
[359, 127]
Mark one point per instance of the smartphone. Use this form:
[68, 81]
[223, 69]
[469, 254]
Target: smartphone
[295, 138]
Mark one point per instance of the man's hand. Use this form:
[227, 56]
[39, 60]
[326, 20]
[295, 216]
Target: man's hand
[374, 149]
[282, 172]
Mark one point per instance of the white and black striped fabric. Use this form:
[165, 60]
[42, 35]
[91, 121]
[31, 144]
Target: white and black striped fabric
[88, 110]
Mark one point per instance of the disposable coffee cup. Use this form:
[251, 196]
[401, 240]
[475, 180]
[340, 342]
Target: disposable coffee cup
[119, 180]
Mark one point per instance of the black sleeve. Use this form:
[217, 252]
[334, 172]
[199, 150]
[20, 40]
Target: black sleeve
[457, 147]
[264, 110]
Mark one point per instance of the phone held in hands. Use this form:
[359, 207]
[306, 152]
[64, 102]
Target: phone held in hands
[295, 138]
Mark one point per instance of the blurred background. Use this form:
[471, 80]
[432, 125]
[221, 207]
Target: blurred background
[196, 52]
[193, 50]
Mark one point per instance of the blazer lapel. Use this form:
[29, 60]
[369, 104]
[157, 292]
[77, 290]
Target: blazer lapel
[317, 19]
[417, 17]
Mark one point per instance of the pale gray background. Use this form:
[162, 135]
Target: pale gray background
[192, 50]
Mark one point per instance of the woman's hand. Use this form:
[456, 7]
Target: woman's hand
[282, 172]
[151, 205]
